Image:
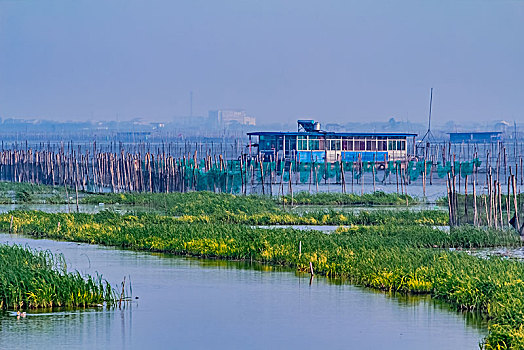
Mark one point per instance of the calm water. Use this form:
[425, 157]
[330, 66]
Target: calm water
[202, 304]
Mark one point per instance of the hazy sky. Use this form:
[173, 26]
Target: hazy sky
[280, 60]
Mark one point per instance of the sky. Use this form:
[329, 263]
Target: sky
[280, 60]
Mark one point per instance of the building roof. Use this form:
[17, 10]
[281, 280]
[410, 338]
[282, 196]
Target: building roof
[326, 133]
[476, 133]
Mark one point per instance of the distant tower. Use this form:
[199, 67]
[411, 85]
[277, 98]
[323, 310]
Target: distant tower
[428, 137]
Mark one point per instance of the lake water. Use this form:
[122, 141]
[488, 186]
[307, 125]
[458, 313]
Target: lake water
[202, 304]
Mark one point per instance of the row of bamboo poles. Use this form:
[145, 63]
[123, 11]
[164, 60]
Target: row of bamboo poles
[228, 147]
[148, 172]
[495, 206]
[504, 153]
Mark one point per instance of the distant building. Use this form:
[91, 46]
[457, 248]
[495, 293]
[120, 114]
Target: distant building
[227, 117]
[133, 136]
[311, 144]
[475, 137]
[333, 127]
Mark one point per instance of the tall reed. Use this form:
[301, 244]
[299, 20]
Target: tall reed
[38, 279]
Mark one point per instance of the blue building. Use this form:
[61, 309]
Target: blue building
[475, 137]
[310, 144]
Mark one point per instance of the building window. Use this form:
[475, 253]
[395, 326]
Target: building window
[371, 145]
[291, 143]
[347, 145]
[334, 145]
[321, 143]
[392, 145]
[302, 143]
[314, 145]
[266, 142]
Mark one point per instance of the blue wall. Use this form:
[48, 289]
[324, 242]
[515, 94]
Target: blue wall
[318, 156]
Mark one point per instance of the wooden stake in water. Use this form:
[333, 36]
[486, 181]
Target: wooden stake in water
[290, 182]
[475, 214]
[466, 198]
[373, 172]
[514, 185]
[500, 205]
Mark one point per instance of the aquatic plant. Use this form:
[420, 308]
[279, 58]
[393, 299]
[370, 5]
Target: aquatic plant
[193, 203]
[207, 202]
[260, 210]
[19, 192]
[393, 258]
[333, 198]
[38, 279]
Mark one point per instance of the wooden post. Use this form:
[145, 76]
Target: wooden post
[475, 214]
[290, 182]
[262, 175]
[424, 179]
[514, 185]
[466, 198]
[343, 177]
[396, 174]
[373, 171]
[500, 205]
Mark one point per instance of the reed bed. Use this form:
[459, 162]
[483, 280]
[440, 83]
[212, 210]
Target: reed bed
[138, 231]
[187, 203]
[261, 210]
[32, 279]
[24, 193]
[192, 203]
[28, 187]
[332, 198]
[393, 258]
[379, 257]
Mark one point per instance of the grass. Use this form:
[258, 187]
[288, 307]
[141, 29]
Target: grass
[26, 193]
[367, 199]
[390, 258]
[38, 279]
[394, 251]
[180, 203]
[331, 217]
[259, 210]
[193, 203]
[142, 230]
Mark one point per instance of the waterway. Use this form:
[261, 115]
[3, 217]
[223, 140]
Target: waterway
[202, 304]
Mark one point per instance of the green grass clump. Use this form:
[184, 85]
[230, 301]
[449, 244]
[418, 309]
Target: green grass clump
[330, 217]
[260, 210]
[38, 279]
[195, 203]
[28, 187]
[190, 203]
[323, 198]
[26, 193]
[388, 256]
[111, 228]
